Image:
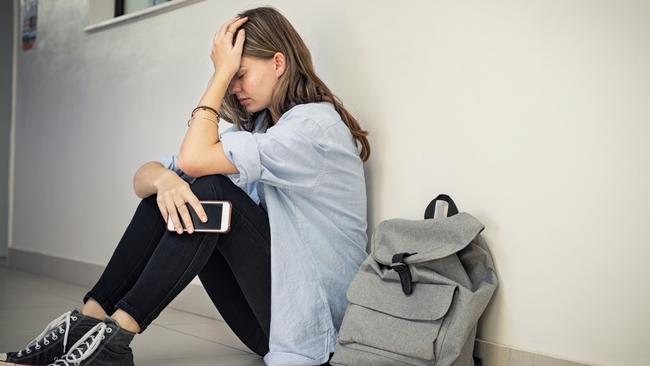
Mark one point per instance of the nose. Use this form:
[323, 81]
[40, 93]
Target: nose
[234, 86]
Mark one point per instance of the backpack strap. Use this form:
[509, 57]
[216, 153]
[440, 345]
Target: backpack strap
[404, 272]
[430, 211]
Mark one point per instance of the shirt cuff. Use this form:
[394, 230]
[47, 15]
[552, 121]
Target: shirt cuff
[166, 160]
[275, 358]
[241, 149]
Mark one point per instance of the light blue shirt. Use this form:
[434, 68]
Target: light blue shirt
[307, 173]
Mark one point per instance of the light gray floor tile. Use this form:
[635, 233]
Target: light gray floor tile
[158, 343]
[215, 331]
[29, 319]
[212, 361]
[16, 297]
[46, 286]
[171, 316]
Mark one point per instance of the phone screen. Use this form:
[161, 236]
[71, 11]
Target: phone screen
[215, 210]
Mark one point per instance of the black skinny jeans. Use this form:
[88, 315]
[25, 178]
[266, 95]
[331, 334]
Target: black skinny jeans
[151, 265]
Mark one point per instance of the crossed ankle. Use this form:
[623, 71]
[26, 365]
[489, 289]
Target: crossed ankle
[93, 309]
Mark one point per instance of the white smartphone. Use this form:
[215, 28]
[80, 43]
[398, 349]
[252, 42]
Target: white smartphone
[218, 213]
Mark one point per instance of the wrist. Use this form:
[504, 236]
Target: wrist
[165, 173]
[221, 78]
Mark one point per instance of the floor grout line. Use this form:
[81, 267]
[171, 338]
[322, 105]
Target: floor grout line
[220, 358]
[207, 339]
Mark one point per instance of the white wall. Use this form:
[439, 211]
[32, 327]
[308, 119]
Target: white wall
[532, 115]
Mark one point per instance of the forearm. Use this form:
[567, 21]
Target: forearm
[203, 133]
[144, 180]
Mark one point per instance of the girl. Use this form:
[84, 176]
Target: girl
[292, 166]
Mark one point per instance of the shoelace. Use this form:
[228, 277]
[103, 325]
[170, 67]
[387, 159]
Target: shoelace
[51, 331]
[84, 347]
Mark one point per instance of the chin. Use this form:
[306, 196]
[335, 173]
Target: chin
[252, 109]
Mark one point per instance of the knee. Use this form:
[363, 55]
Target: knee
[150, 201]
[210, 187]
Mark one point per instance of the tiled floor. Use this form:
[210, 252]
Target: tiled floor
[29, 302]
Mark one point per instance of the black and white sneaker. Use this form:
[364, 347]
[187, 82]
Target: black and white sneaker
[53, 342]
[106, 344]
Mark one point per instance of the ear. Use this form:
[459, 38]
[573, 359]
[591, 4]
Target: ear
[279, 63]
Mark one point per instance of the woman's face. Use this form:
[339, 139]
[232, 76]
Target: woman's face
[254, 82]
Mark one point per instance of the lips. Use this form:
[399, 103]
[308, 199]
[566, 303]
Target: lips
[243, 99]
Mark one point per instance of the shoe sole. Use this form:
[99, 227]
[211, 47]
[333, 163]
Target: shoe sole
[5, 363]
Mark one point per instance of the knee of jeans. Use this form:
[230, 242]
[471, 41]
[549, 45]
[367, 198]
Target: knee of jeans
[150, 200]
[210, 187]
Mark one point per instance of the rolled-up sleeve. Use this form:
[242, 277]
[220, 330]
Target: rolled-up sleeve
[169, 160]
[289, 154]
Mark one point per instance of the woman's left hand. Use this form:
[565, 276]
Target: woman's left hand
[225, 56]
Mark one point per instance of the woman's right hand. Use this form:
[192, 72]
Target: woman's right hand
[173, 194]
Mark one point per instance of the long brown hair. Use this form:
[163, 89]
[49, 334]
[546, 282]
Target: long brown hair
[269, 32]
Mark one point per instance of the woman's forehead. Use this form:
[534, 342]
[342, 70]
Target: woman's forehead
[247, 62]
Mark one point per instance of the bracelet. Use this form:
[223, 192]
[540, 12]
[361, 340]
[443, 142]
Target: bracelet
[205, 113]
[198, 113]
[190, 120]
[205, 107]
[202, 117]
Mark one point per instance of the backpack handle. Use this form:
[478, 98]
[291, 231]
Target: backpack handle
[430, 212]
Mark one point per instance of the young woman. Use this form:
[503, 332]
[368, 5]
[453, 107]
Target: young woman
[292, 166]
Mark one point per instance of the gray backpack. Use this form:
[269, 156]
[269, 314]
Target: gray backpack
[418, 296]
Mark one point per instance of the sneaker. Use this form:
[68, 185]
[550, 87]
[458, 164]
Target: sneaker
[105, 344]
[53, 342]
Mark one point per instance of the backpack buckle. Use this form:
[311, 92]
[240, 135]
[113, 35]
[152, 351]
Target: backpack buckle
[403, 271]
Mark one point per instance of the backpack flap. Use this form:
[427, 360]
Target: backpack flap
[423, 240]
[380, 316]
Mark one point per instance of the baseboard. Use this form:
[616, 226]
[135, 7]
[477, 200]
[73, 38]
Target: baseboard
[193, 299]
[493, 354]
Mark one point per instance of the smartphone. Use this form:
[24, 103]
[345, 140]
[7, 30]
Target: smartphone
[218, 213]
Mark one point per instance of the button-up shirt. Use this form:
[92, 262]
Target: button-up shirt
[306, 172]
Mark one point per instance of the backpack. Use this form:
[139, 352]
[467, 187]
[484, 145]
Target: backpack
[417, 298]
